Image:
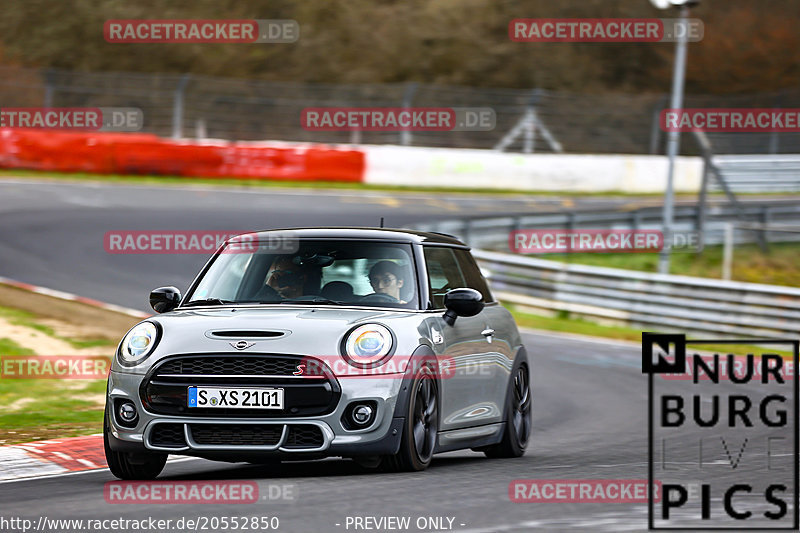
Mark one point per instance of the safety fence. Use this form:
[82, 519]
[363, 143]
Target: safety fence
[192, 106]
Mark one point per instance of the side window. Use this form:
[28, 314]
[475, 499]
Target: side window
[472, 273]
[444, 273]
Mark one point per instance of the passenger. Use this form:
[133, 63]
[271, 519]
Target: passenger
[386, 277]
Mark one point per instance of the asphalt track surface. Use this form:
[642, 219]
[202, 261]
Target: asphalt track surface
[51, 233]
[589, 396]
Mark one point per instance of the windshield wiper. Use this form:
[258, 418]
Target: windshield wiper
[313, 301]
[208, 301]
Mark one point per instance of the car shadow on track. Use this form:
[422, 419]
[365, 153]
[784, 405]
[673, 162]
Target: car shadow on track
[306, 469]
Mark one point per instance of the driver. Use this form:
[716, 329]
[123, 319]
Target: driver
[288, 278]
[386, 277]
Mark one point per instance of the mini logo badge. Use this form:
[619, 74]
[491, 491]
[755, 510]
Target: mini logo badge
[242, 345]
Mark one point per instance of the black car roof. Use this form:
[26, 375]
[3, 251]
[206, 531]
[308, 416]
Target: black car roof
[356, 233]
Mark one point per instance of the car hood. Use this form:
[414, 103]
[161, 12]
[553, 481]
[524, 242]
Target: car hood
[298, 330]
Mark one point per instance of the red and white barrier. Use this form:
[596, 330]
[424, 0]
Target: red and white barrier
[137, 153]
[488, 169]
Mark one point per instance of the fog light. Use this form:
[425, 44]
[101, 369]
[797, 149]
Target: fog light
[127, 412]
[362, 414]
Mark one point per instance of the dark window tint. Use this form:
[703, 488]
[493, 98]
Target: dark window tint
[444, 273]
[472, 274]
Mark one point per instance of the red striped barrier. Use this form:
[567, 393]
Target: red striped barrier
[145, 154]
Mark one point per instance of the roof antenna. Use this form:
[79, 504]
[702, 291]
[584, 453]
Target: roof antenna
[381, 221]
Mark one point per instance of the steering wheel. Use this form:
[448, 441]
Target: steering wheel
[267, 293]
[379, 297]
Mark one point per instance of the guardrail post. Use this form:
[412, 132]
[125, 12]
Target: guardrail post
[408, 96]
[49, 88]
[763, 240]
[467, 232]
[655, 128]
[727, 251]
[177, 107]
[700, 220]
[571, 220]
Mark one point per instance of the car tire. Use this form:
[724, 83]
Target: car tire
[123, 465]
[421, 426]
[518, 418]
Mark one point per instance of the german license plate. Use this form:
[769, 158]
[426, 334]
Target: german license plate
[238, 398]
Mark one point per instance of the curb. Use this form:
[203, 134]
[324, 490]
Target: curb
[52, 456]
[56, 456]
[61, 295]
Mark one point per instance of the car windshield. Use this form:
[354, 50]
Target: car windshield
[315, 272]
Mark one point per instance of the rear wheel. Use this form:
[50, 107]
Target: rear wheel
[518, 418]
[126, 465]
[421, 426]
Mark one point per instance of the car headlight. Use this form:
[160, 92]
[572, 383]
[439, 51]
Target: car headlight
[368, 345]
[138, 343]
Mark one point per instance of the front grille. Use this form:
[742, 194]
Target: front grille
[304, 436]
[231, 366]
[168, 436]
[164, 390]
[236, 434]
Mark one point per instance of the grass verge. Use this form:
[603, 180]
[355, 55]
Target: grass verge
[29, 320]
[39, 409]
[580, 326]
[779, 266]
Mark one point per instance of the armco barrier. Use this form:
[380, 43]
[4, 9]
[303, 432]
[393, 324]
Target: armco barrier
[657, 302]
[491, 232]
[125, 153]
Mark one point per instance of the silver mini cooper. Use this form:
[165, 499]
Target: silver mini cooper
[381, 345]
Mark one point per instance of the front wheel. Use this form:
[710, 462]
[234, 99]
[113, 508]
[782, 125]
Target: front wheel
[129, 465]
[518, 418]
[421, 426]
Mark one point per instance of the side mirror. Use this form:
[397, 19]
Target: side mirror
[462, 302]
[165, 299]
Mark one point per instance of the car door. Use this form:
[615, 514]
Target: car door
[498, 330]
[467, 397]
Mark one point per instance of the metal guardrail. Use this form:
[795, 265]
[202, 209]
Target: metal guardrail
[704, 307]
[758, 172]
[493, 232]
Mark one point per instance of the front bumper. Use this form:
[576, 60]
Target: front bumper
[230, 438]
